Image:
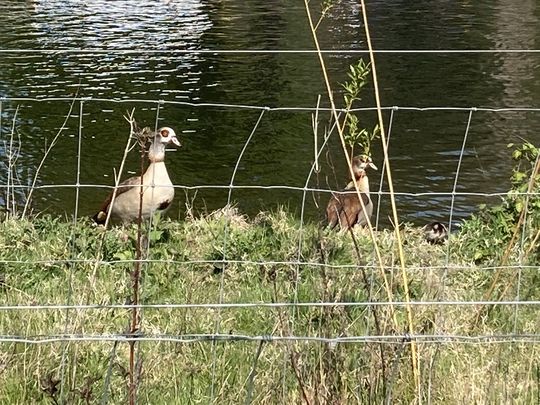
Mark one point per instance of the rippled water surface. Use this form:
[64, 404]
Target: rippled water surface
[174, 51]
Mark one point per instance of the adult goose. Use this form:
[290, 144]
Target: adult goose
[158, 190]
[344, 208]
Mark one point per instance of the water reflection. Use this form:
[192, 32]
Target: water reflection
[121, 24]
[146, 58]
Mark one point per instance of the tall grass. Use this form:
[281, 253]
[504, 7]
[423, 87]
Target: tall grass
[185, 264]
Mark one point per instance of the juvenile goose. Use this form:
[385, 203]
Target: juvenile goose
[345, 208]
[435, 233]
[158, 189]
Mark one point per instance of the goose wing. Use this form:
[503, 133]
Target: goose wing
[353, 213]
[333, 211]
[124, 186]
[362, 215]
[346, 209]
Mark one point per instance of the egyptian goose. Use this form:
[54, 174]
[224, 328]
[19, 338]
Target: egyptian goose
[345, 208]
[435, 233]
[158, 189]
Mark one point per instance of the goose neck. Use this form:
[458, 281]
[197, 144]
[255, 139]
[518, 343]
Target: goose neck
[156, 153]
[363, 184]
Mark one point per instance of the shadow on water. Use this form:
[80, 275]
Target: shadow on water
[425, 146]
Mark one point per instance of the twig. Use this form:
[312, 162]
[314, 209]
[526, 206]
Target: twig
[107, 382]
[532, 181]
[190, 202]
[292, 351]
[117, 177]
[46, 154]
[533, 244]
[253, 373]
[373, 310]
[349, 163]
[12, 158]
[315, 125]
[135, 279]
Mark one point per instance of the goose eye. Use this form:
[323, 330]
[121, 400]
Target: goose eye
[164, 133]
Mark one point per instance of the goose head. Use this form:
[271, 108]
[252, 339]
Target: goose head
[166, 136]
[360, 164]
[163, 137]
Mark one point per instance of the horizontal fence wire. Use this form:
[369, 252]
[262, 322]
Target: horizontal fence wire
[195, 338]
[263, 107]
[276, 187]
[263, 51]
[425, 338]
[241, 305]
[265, 262]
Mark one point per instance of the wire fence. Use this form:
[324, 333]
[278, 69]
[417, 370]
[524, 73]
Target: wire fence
[232, 186]
[214, 306]
[215, 330]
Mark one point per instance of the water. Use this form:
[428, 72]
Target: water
[162, 50]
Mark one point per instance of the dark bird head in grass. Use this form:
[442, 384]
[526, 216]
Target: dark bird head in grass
[435, 233]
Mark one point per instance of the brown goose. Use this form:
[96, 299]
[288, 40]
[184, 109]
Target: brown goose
[158, 189]
[345, 208]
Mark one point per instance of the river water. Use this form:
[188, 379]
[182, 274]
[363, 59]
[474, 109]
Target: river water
[202, 53]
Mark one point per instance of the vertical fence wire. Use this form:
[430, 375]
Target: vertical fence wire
[289, 353]
[371, 321]
[1, 129]
[12, 157]
[383, 169]
[302, 216]
[73, 241]
[453, 199]
[434, 358]
[217, 322]
[79, 154]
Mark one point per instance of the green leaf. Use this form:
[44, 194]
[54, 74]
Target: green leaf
[124, 255]
[155, 235]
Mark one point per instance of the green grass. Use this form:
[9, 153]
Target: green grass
[50, 261]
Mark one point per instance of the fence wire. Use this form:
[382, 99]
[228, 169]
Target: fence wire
[75, 306]
[78, 185]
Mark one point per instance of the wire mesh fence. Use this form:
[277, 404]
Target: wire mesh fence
[304, 297]
[243, 294]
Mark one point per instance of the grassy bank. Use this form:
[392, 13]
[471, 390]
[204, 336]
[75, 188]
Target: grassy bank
[270, 259]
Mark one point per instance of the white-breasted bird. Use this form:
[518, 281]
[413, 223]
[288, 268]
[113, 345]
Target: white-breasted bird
[158, 190]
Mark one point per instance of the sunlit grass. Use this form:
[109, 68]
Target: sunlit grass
[269, 259]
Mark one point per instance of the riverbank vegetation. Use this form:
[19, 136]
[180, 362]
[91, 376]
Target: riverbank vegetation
[345, 350]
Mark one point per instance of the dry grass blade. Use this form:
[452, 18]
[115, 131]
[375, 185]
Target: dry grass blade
[46, 154]
[414, 354]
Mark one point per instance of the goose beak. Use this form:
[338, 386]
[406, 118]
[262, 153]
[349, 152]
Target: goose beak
[175, 140]
[370, 164]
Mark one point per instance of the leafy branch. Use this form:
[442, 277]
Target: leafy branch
[355, 134]
[326, 6]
